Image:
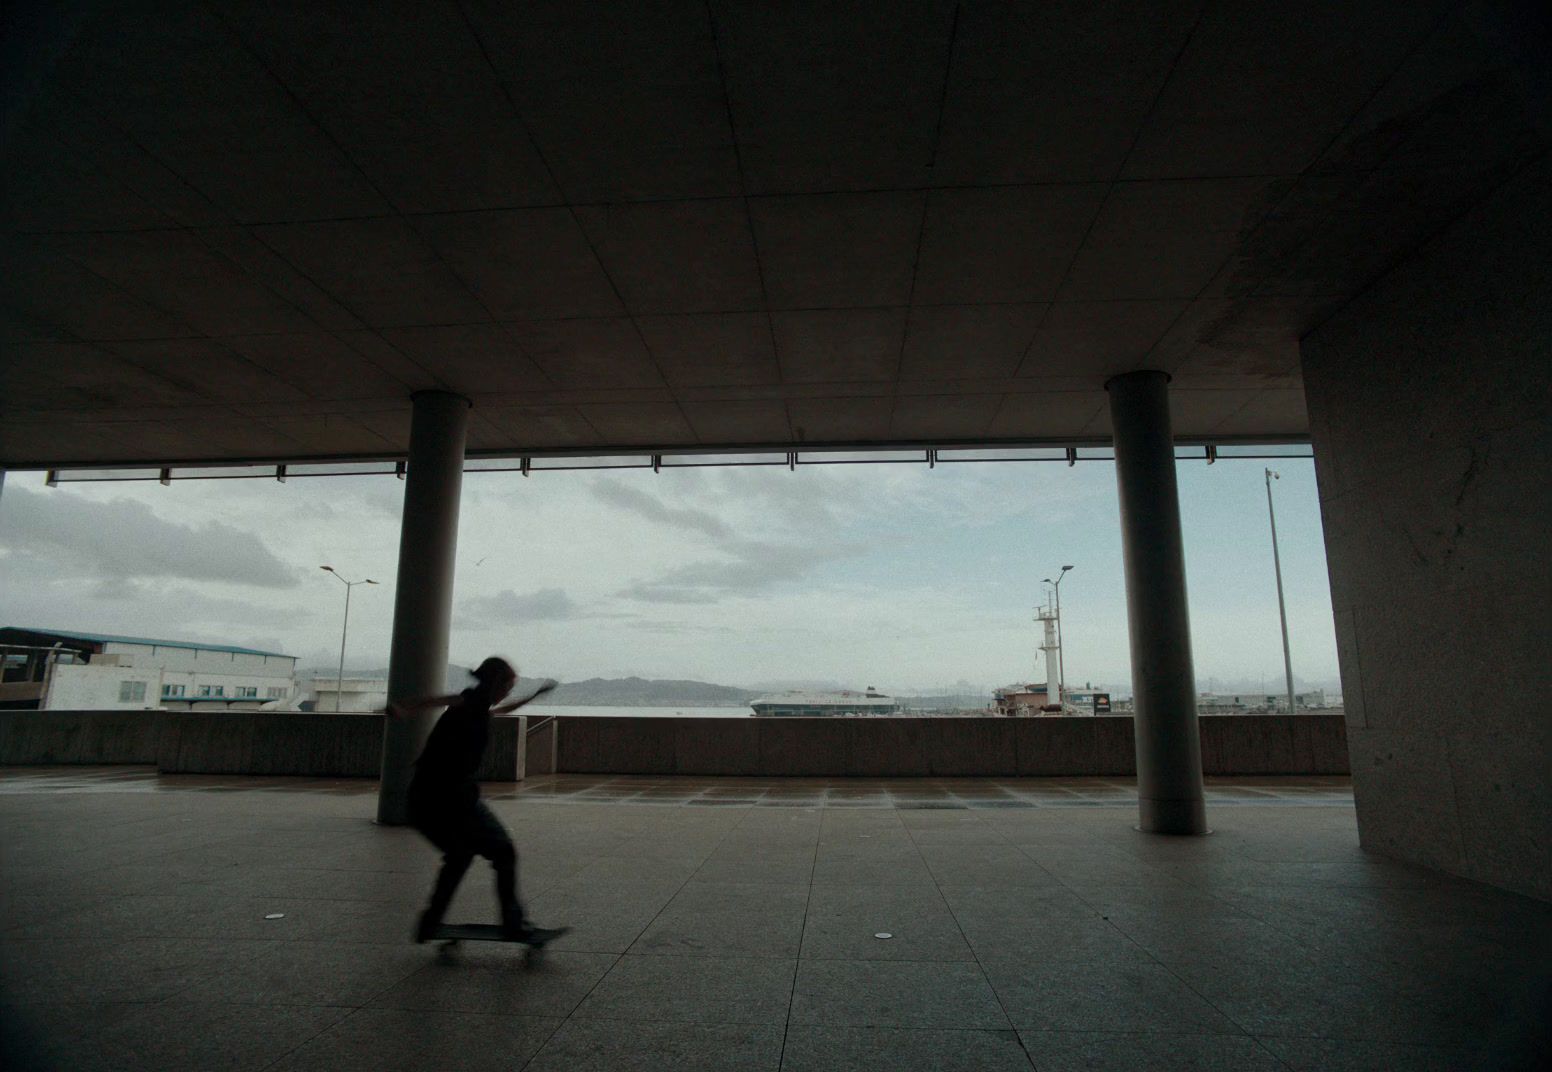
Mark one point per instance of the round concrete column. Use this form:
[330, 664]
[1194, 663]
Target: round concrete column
[423, 603]
[1169, 745]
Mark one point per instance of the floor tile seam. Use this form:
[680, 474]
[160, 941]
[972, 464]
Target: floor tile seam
[571, 1013]
[797, 968]
[315, 1035]
[1260, 1044]
[976, 960]
[1242, 1029]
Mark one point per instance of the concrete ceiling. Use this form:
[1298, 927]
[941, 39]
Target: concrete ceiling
[249, 230]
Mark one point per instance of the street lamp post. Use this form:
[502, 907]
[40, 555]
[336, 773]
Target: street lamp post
[1061, 656]
[1282, 611]
[339, 684]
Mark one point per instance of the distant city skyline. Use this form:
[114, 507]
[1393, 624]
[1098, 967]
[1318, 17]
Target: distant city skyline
[898, 576]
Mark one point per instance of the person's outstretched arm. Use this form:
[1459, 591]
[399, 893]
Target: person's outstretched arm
[548, 684]
[406, 708]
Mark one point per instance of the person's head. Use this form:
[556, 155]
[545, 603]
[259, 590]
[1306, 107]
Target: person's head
[496, 676]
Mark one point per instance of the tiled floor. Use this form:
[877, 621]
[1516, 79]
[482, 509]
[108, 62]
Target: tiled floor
[731, 924]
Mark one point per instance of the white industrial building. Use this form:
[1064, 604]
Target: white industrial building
[360, 694]
[52, 669]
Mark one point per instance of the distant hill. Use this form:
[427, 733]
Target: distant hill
[593, 692]
[641, 692]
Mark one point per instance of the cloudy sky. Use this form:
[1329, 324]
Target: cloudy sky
[897, 576]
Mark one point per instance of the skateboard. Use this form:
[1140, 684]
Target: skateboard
[450, 934]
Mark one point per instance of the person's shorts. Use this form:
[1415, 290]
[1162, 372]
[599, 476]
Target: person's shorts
[472, 830]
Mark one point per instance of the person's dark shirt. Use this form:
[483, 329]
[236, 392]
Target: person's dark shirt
[451, 759]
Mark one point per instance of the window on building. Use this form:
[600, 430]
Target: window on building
[131, 691]
[275, 693]
[169, 691]
[205, 690]
[247, 691]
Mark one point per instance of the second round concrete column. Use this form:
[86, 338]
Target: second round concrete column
[423, 602]
[1169, 746]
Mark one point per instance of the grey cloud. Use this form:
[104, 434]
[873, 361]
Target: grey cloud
[149, 608]
[753, 567]
[122, 539]
[638, 502]
[541, 605]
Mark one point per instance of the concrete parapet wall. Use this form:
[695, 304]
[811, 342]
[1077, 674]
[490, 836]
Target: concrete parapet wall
[41, 737]
[934, 747]
[228, 742]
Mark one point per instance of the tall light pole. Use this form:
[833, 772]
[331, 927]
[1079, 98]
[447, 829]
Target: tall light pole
[1282, 611]
[339, 684]
[1061, 659]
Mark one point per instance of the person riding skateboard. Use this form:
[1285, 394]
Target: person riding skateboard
[444, 797]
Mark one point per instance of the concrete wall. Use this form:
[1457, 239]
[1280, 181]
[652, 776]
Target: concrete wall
[41, 737]
[1429, 401]
[936, 747]
[236, 742]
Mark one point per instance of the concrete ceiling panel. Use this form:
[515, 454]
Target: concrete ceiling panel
[1005, 244]
[320, 365]
[712, 349]
[62, 440]
[625, 101]
[554, 427]
[207, 369]
[1247, 340]
[45, 185]
[259, 262]
[972, 341]
[1097, 339]
[92, 378]
[119, 154]
[851, 419]
[1225, 109]
[26, 387]
[1204, 412]
[390, 359]
[379, 269]
[178, 273]
[677, 257]
[1053, 92]
[392, 426]
[405, 91]
[524, 264]
[1279, 409]
[48, 295]
[631, 139]
[752, 210]
[839, 345]
[838, 249]
[197, 100]
[762, 420]
[588, 353]
[835, 97]
[961, 416]
[1046, 414]
[471, 359]
[330, 434]
[1167, 239]
[268, 173]
[638, 424]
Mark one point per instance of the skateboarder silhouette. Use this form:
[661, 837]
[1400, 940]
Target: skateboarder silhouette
[445, 804]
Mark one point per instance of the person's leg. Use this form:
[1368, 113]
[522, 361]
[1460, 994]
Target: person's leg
[457, 854]
[495, 845]
[454, 866]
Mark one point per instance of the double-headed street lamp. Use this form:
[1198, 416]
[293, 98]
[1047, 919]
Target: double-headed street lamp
[339, 684]
[1061, 658]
